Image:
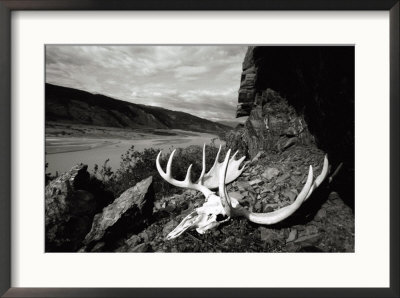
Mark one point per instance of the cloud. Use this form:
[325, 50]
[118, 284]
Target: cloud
[201, 80]
[189, 72]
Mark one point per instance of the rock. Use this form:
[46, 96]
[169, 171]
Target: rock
[71, 201]
[258, 156]
[132, 245]
[229, 241]
[172, 224]
[128, 213]
[296, 179]
[270, 173]
[158, 205]
[290, 195]
[309, 238]
[258, 207]
[242, 185]
[282, 178]
[334, 196]
[268, 235]
[216, 233]
[237, 195]
[133, 241]
[270, 208]
[144, 247]
[256, 182]
[309, 230]
[145, 236]
[98, 247]
[338, 226]
[174, 249]
[191, 192]
[320, 215]
[290, 142]
[170, 207]
[292, 235]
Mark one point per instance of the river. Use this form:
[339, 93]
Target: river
[62, 153]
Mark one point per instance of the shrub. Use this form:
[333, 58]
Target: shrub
[136, 166]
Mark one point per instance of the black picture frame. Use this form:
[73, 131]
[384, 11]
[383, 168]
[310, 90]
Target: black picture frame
[8, 6]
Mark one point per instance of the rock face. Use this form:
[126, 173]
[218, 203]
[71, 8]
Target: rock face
[317, 82]
[273, 126]
[299, 95]
[71, 201]
[128, 214]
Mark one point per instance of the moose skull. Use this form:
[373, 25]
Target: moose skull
[219, 209]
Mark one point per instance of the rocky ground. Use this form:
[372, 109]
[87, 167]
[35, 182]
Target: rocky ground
[139, 220]
[323, 224]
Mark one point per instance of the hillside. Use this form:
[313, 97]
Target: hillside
[68, 105]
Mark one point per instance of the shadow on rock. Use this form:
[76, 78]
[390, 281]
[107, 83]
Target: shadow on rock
[71, 201]
[127, 215]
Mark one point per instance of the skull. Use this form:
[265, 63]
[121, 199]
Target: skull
[204, 218]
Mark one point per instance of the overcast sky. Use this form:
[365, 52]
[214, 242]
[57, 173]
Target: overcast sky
[200, 80]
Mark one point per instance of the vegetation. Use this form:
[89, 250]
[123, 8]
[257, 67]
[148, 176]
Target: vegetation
[48, 176]
[136, 166]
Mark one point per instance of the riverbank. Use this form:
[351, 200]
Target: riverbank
[67, 145]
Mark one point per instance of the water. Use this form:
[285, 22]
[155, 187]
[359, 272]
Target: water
[62, 153]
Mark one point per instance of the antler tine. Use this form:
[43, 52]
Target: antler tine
[280, 214]
[211, 178]
[203, 170]
[225, 199]
[239, 161]
[233, 156]
[188, 178]
[320, 178]
[215, 161]
[169, 163]
[187, 183]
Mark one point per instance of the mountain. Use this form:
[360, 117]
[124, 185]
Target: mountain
[231, 124]
[68, 105]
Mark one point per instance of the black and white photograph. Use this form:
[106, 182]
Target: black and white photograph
[199, 148]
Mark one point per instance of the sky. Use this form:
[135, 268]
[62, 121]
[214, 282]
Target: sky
[200, 80]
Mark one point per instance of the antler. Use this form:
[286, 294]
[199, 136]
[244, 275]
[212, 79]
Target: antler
[280, 214]
[187, 183]
[211, 179]
[206, 217]
[320, 178]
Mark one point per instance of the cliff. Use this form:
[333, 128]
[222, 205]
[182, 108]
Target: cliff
[299, 95]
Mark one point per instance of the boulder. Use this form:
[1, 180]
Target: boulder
[128, 214]
[71, 201]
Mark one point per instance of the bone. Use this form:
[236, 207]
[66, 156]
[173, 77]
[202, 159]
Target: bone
[280, 214]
